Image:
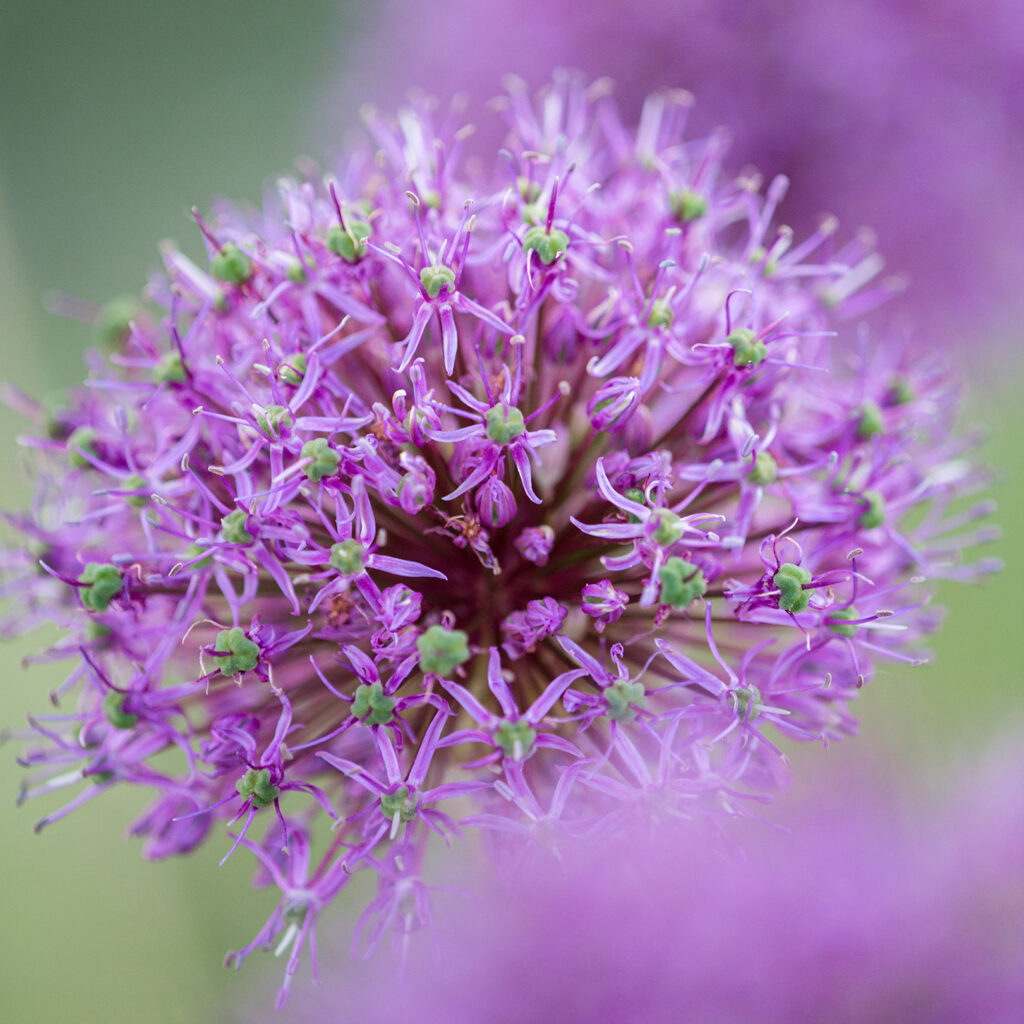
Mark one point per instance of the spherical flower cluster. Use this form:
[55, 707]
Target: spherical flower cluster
[867, 912]
[540, 502]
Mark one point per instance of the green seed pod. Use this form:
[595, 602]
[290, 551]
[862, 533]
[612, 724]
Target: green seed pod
[372, 705]
[347, 557]
[434, 279]
[256, 787]
[194, 551]
[399, 803]
[790, 580]
[82, 438]
[534, 214]
[231, 265]
[347, 242]
[135, 483]
[529, 190]
[625, 700]
[869, 421]
[274, 419]
[504, 424]
[687, 205]
[169, 369]
[105, 583]
[764, 470]
[900, 392]
[547, 245]
[661, 314]
[114, 321]
[232, 527]
[293, 371]
[670, 527]
[242, 653]
[516, 738]
[441, 650]
[681, 583]
[325, 459]
[874, 514]
[747, 348]
[637, 495]
[838, 624]
[113, 708]
[745, 701]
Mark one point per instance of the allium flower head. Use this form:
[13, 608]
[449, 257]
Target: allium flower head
[541, 501]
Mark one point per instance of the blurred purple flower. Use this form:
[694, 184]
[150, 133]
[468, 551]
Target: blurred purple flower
[907, 115]
[866, 913]
[292, 591]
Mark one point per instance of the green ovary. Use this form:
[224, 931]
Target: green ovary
[441, 650]
[256, 787]
[790, 580]
[504, 424]
[104, 584]
[681, 583]
[516, 738]
[547, 245]
[241, 653]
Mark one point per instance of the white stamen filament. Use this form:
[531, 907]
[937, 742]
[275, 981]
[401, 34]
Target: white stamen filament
[287, 939]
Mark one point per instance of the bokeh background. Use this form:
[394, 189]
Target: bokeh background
[116, 117]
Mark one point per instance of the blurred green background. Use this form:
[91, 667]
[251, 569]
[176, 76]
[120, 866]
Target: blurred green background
[115, 119]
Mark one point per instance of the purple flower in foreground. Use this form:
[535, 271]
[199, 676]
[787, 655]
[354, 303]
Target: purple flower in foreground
[324, 561]
[862, 915]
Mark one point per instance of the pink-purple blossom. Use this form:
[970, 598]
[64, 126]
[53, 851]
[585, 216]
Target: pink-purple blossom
[346, 550]
[868, 911]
